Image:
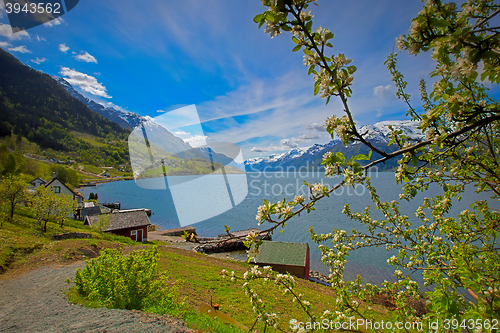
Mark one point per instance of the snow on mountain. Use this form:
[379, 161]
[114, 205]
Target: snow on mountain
[277, 158]
[125, 119]
[380, 131]
[377, 134]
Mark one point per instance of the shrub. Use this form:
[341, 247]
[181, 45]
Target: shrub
[131, 282]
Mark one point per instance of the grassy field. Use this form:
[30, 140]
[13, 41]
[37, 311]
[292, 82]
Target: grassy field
[24, 247]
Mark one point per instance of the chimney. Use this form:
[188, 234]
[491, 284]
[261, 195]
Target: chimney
[53, 175]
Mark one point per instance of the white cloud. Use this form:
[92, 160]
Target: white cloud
[384, 92]
[6, 31]
[38, 61]
[290, 143]
[311, 136]
[2, 8]
[316, 127]
[270, 148]
[40, 39]
[20, 49]
[197, 140]
[63, 48]
[285, 144]
[180, 132]
[4, 44]
[85, 82]
[86, 57]
[57, 21]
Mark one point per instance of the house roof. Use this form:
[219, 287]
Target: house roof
[122, 219]
[43, 180]
[72, 191]
[90, 211]
[282, 253]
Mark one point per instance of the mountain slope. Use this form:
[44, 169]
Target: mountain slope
[127, 120]
[32, 104]
[310, 158]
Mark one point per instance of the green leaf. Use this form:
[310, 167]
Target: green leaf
[441, 23]
[309, 26]
[351, 69]
[414, 160]
[258, 18]
[296, 48]
[357, 168]
[316, 87]
[270, 16]
[361, 157]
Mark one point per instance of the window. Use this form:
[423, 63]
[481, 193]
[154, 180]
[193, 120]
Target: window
[57, 189]
[133, 233]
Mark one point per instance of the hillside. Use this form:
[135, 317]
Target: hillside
[127, 120]
[34, 105]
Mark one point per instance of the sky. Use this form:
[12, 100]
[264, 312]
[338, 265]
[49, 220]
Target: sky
[157, 56]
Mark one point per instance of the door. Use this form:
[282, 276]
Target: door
[139, 235]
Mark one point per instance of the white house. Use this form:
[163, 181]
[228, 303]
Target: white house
[58, 187]
[37, 182]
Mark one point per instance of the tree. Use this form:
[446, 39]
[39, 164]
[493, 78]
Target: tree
[12, 192]
[461, 122]
[67, 175]
[53, 207]
[102, 223]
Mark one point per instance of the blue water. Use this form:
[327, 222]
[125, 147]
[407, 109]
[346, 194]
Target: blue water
[371, 263]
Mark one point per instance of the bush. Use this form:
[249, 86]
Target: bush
[131, 282]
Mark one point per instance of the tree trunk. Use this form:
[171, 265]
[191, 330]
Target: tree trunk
[12, 206]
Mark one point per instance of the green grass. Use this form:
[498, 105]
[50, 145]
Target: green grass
[89, 139]
[91, 168]
[24, 246]
[202, 281]
[22, 243]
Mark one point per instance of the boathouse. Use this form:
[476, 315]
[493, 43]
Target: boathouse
[284, 257]
[131, 223]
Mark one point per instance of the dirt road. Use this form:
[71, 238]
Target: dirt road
[35, 302]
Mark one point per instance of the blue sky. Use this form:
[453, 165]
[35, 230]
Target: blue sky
[249, 89]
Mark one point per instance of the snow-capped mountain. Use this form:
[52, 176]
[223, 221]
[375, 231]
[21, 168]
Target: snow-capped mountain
[310, 158]
[297, 157]
[125, 119]
[380, 131]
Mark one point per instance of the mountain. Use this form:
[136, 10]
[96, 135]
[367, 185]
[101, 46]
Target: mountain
[380, 131]
[34, 105]
[161, 137]
[125, 119]
[310, 158]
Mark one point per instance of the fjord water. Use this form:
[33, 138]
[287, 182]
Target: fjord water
[275, 186]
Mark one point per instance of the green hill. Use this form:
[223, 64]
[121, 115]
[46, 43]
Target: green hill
[33, 105]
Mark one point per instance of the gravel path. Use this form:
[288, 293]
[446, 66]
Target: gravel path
[35, 302]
